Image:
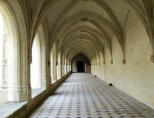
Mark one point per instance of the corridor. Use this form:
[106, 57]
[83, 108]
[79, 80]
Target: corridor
[85, 96]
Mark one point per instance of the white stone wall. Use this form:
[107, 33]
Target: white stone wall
[136, 76]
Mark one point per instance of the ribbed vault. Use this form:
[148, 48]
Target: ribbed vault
[78, 29]
[96, 22]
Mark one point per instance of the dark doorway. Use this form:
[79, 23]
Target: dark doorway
[80, 66]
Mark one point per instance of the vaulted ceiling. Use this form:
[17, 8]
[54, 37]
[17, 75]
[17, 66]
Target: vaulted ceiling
[87, 26]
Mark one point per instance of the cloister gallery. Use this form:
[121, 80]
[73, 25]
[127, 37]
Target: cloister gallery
[76, 58]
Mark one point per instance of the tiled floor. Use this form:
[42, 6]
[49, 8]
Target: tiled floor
[84, 96]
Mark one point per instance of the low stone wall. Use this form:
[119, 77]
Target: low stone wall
[28, 108]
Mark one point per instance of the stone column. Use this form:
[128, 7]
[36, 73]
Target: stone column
[48, 70]
[28, 79]
[19, 88]
[62, 68]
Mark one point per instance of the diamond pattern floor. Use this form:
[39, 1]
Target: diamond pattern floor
[84, 96]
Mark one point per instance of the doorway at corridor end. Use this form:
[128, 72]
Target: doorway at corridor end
[81, 64]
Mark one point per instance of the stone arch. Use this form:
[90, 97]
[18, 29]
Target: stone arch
[38, 65]
[16, 59]
[80, 58]
[78, 38]
[94, 33]
[144, 10]
[91, 17]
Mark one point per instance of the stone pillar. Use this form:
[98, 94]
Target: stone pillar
[48, 74]
[59, 70]
[19, 88]
[62, 68]
[28, 79]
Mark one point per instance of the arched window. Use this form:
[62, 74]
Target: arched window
[38, 78]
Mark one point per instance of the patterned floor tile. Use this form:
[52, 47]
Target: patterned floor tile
[84, 96]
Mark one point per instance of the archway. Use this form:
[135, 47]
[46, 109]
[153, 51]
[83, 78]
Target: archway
[35, 66]
[80, 66]
[9, 56]
[38, 76]
[81, 63]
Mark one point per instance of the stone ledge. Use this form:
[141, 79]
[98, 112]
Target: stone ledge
[9, 109]
[36, 92]
[24, 109]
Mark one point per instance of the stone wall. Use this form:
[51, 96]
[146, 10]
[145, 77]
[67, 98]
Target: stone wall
[136, 77]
